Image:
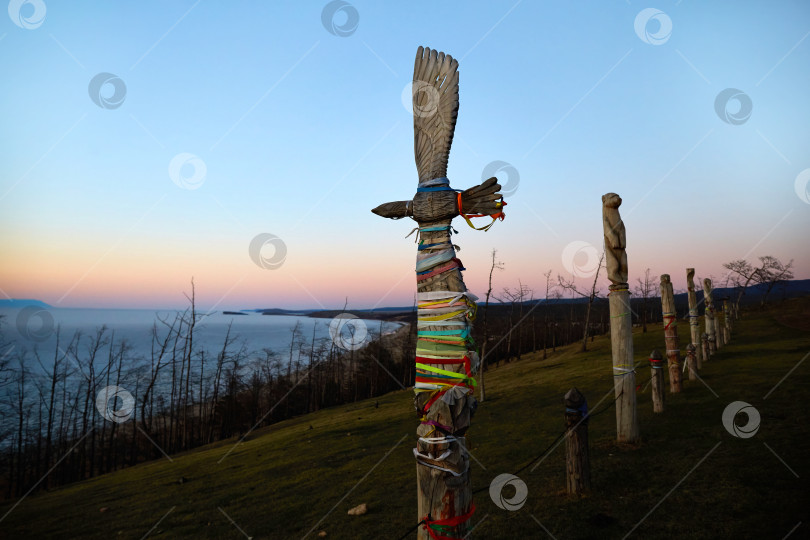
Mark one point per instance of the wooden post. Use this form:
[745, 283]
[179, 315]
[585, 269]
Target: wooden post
[621, 323]
[708, 316]
[671, 334]
[694, 318]
[729, 317]
[445, 353]
[704, 341]
[577, 459]
[657, 380]
[719, 339]
[691, 361]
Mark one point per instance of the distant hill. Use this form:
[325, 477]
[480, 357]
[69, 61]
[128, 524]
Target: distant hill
[385, 313]
[21, 303]
[788, 289]
[753, 293]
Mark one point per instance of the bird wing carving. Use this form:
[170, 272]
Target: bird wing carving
[435, 110]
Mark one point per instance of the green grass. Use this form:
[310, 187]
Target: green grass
[287, 477]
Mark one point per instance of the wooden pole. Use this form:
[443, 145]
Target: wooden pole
[577, 458]
[621, 323]
[704, 342]
[691, 361]
[718, 328]
[708, 316]
[445, 354]
[657, 380]
[671, 334]
[694, 318]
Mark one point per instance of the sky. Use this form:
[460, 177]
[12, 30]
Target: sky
[243, 144]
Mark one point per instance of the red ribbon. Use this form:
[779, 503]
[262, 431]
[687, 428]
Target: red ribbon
[448, 522]
[454, 263]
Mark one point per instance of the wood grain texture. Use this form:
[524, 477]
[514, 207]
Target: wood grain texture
[621, 322]
[621, 342]
[435, 111]
[615, 240]
[729, 316]
[704, 345]
[441, 494]
[657, 380]
[577, 456]
[671, 339]
[708, 316]
[691, 361]
[694, 320]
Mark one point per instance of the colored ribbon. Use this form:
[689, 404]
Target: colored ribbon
[439, 528]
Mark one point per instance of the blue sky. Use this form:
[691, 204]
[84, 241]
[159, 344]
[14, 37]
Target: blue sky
[302, 132]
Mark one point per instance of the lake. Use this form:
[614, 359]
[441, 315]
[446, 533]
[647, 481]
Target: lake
[35, 327]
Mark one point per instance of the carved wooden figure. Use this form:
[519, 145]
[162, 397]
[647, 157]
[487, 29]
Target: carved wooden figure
[621, 326]
[708, 315]
[694, 318]
[671, 334]
[615, 239]
[445, 354]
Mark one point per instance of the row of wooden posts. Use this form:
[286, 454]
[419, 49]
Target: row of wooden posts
[701, 348]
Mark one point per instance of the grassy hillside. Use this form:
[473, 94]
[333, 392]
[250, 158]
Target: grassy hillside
[306, 473]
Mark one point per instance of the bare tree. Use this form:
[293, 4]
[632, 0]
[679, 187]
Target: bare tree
[515, 297]
[742, 273]
[772, 272]
[645, 290]
[550, 287]
[496, 265]
[591, 295]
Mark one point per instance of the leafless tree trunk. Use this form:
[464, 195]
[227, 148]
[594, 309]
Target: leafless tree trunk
[496, 265]
[592, 295]
[644, 290]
